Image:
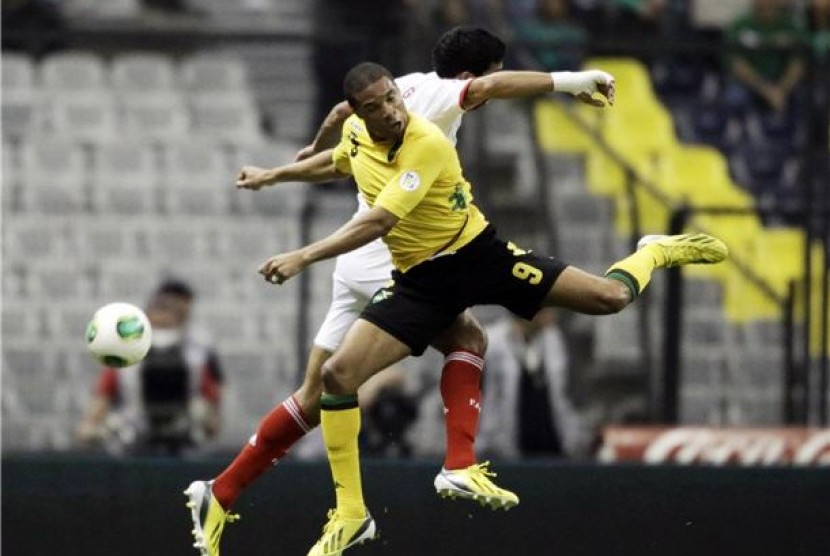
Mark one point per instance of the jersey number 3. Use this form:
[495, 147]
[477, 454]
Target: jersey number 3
[524, 271]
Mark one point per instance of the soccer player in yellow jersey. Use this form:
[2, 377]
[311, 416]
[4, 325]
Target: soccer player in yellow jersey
[447, 258]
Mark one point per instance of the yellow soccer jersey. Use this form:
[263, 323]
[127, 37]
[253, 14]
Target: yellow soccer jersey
[418, 180]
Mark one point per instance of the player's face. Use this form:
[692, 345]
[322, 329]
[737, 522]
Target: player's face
[380, 105]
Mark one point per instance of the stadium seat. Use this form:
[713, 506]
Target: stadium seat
[73, 72]
[32, 237]
[125, 178]
[127, 280]
[137, 73]
[229, 120]
[22, 112]
[184, 240]
[211, 73]
[54, 174]
[155, 117]
[107, 238]
[557, 130]
[700, 175]
[195, 179]
[89, 118]
[72, 280]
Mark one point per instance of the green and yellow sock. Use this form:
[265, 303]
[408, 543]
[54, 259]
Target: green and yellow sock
[340, 421]
[635, 270]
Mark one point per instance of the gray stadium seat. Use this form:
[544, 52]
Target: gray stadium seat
[138, 73]
[73, 72]
[196, 180]
[227, 119]
[210, 73]
[125, 178]
[155, 117]
[107, 238]
[88, 118]
[55, 176]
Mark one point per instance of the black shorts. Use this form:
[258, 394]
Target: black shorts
[425, 300]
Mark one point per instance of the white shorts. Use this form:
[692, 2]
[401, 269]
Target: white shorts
[357, 276]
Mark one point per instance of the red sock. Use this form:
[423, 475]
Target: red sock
[461, 392]
[277, 432]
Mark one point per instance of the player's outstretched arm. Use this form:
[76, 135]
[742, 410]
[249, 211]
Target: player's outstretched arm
[514, 84]
[329, 133]
[317, 168]
[366, 227]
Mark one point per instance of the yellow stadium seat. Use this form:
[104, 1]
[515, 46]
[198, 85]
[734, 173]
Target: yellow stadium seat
[650, 127]
[700, 174]
[557, 130]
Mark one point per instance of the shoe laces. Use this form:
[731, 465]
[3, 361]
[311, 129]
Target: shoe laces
[328, 528]
[482, 469]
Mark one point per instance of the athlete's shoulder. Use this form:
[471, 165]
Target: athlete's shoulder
[354, 124]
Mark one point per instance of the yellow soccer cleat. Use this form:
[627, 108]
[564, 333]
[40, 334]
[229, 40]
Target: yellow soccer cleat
[341, 533]
[687, 248]
[208, 517]
[473, 483]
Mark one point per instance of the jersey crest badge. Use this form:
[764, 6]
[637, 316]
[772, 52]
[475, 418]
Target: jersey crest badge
[409, 180]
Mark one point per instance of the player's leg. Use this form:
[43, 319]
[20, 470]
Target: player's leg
[365, 350]
[626, 279]
[277, 432]
[463, 345]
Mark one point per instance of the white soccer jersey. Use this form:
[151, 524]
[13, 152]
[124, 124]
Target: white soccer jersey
[360, 273]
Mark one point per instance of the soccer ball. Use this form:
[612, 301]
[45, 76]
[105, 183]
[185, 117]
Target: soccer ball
[119, 335]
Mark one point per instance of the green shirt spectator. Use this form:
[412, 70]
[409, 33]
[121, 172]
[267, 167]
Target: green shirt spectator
[551, 40]
[764, 51]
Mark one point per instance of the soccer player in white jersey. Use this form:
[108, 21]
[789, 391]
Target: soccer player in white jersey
[467, 63]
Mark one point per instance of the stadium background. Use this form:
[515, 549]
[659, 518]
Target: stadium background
[123, 126]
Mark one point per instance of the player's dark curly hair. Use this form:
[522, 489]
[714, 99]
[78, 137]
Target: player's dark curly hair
[360, 77]
[466, 48]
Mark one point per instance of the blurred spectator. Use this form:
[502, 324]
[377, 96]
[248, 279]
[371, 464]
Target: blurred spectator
[639, 16]
[764, 60]
[549, 39]
[388, 413]
[526, 408]
[168, 402]
[818, 21]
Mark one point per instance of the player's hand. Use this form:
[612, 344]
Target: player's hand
[252, 177]
[305, 152]
[282, 267]
[596, 81]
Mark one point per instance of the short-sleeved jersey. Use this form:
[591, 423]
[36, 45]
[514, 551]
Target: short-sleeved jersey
[419, 180]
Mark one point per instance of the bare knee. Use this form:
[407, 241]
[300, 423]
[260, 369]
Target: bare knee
[338, 378]
[611, 298]
[466, 333]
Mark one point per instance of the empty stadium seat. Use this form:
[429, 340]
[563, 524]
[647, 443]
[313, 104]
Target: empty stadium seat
[138, 73]
[196, 179]
[211, 73]
[227, 119]
[155, 117]
[73, 72]
[22, 111]
[125, 178]
[89, 118]
[54, 173]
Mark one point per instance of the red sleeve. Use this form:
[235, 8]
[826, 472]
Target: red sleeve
[210, 386]
[107, 383]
